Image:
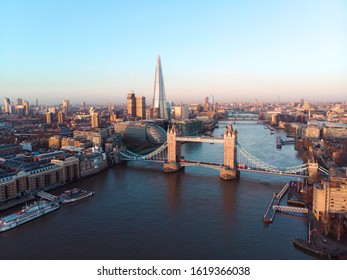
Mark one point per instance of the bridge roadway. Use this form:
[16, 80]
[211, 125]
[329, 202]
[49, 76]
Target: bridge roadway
[201, 163]
[219, 166]
[205, 139]
[282, 173]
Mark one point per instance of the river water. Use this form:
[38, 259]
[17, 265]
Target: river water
[139, 212]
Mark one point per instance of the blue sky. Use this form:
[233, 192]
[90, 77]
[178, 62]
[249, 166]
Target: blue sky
[98, 51]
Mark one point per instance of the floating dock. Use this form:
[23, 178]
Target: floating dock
[274, 206]
[276, 199]
[47, 196]
[280, 142]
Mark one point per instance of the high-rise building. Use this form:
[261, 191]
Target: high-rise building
[83, 105]
[159, 98]
[211, 102]
[60, 117]
[52, 110]
[20, 110]
[141, 107]
[7, 106]
[181, 112]
[95, 119]
[26, 108]
[206, 104]
[19, 101]
[49, 117]
[13, 108]
[131, 104]
[37, 102]
[113, 117]
[110, 108]
[66, 106]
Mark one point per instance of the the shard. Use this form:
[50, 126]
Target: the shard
[159, 98]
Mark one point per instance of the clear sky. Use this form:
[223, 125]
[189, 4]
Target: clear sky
[236, 50]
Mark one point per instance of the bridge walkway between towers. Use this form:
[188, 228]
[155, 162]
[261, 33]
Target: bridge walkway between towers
[201, 139]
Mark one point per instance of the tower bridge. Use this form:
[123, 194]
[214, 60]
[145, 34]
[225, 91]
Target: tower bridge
[236, 158]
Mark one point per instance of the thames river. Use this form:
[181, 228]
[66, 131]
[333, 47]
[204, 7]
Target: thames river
[139, 212]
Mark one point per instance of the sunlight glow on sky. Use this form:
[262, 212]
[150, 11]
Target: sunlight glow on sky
[236, 50]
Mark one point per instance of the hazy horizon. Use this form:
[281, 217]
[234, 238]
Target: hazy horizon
[234, 50]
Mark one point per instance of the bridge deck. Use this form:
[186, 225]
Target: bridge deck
[274, 173]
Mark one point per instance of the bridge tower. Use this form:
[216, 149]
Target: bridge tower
[230, 139]
[173, 151]
[312, 171]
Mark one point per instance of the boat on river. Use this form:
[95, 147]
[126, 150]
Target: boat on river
[75, 194]
[28, 213]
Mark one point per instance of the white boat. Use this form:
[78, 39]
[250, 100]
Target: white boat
[75, 195]
[28, 213]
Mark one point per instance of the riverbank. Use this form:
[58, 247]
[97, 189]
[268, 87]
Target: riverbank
[320, 252]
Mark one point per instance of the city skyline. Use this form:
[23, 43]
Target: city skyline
[235, 51]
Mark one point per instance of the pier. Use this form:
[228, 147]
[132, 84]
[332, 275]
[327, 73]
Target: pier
[274, 206]
[276, 199]
[290, 209]
[47, 196]
[280, 142]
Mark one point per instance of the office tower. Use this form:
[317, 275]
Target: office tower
[109, 108]
[141, 107]
[131, 105]
[83, 105]
[7, 106]
[91, 110]
[95, 119]
[60, 117]
[12, 108]
[181, 112]
[49, 117]
[20, 110]
[66, 106]
[52, 110]
[149, 113]
[159, 98]
[26, 108]
[211, 102]
[113, 117]
[206, 104]
[19, 101]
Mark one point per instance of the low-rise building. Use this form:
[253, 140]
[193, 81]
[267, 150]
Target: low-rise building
[71, 168]
[330, 197]
[10, 149]
[92, 163]
[29, 180]
[334, 131]
[54, 142]
[96, 136]
[191, 127]
[141, 132]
